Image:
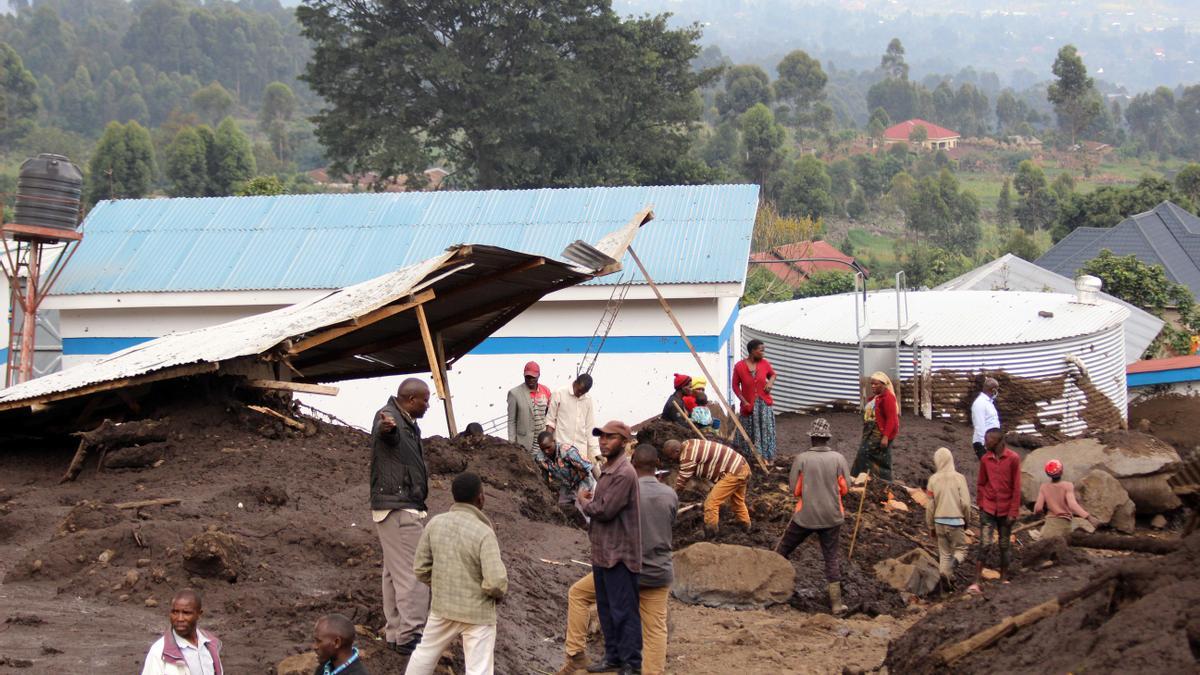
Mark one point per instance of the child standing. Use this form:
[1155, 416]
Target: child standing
[947, 513]
[1057, 498]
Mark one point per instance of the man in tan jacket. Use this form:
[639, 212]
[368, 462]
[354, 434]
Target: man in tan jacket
[948, 512]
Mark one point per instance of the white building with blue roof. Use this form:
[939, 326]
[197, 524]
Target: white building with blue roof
[150, 267]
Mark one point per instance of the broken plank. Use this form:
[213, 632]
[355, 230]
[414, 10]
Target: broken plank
[301, 387]
[358, 322]
[282, 418]
[143, 503]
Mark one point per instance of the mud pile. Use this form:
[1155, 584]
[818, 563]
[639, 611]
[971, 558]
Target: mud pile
[1141, 611]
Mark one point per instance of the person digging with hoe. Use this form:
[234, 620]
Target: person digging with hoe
[818, 480]
[615, 533]
[333, 641]
[184, 649]
[721, 464]
[998, 491]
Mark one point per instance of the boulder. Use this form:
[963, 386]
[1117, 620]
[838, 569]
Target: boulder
[214, 555]
[914, 572]
[1152, 494]
[1123, 520]
[1123, 454]
[733, 577]
[1103, 497]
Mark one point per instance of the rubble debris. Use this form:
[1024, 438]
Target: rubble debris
[111, 435]
[1101, 495]
[734, 577]
[213, 554]
[915, 572]
[1152, 494]
[136, 456]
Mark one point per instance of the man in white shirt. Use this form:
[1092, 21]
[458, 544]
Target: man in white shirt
[571, 417]
[984, 415]
[184, 649]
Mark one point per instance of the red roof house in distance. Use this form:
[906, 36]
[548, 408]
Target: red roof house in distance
[937, 138]
[796, 273]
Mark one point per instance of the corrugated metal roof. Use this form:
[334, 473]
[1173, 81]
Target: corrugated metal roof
[1010, 273]
[942, 318]
[700, 234]
[1159, 365]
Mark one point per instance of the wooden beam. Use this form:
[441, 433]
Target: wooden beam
[434, 368]
[166, 374]
[143, 503]
[279, 385]
[448, 402]
[279, 416]
[359, 322]
[700, 362]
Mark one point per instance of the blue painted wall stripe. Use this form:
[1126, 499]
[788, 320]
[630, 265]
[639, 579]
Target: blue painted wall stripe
[621, 344]
[1163, 377]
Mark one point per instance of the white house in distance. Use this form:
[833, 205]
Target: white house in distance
[150, 267]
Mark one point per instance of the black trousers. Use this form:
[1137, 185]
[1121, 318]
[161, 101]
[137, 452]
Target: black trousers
[979, 450]
[795, 535]
[620, 620]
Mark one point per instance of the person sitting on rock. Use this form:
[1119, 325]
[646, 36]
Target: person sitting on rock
[947, 513]
[818, 480]
[566, 471]
[658, 505]
[185, 649]
[725, 467]
[333, 641]
[1057, 498]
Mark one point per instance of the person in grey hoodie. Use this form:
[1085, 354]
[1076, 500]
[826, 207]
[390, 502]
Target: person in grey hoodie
[947, 514]
[818, 480]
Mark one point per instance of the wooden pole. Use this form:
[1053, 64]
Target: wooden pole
[436, 368]
[689, 421]
[448, 402]
[716, 388]
[858, 518]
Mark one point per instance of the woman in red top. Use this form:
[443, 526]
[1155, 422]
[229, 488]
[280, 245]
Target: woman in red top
[881, 423]
[753, 378]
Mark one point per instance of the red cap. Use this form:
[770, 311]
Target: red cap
[681, 380]
[532, 368]
[1054, 468]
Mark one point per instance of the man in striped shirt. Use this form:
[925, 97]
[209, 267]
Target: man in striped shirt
[720, 464]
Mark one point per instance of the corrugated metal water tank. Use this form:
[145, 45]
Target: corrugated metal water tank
[952, 336]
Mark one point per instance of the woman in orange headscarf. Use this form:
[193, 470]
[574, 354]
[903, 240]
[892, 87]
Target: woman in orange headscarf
[881, 423]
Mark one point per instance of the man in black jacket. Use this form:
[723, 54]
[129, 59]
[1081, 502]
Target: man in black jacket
[399, 486]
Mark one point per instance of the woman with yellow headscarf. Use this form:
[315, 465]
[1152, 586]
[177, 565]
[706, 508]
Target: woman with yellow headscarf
[881, 423]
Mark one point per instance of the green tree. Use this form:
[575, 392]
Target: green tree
[762, 286]
[1037, 207]
[801, 80]
[1004, 205]
[1021, 245]
[892, 62]
[1073, 93]
[1063, 186]
[803, 190]
[18, 97]
[745, 87]
[509, 94]
[825, 282]
[762, 139]
[940, 209]
[187, 164]
[1108, 205]
[856, 208]
[261, 186]
[918, 135]
[212, 102]
[122, 165]
[278, 106]
[1187, 181]
[721, 148]
[234, 158]
[1147, 287]
[78, 103]
[1152, 121]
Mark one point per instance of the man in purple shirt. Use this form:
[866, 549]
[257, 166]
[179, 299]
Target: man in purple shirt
[616, 537]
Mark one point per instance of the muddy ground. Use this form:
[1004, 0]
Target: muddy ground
[294, 507]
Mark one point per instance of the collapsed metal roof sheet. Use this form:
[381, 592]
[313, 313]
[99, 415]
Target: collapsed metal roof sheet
[387, 325]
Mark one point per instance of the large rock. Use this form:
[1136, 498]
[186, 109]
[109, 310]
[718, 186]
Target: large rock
[1102, 496]
[213, 554]
[1123, 520]
[734, 577]
[914, 572]
[1152, 494]
[1123, 454]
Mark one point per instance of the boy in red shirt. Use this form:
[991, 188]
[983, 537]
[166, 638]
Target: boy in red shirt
[998, 491]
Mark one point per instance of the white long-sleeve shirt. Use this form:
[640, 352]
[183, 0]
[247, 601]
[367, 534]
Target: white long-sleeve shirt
[573, 419]
[984, 416]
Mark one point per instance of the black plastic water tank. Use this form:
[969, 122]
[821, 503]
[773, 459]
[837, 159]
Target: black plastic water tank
[48, 192]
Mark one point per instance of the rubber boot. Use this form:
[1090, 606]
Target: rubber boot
[710, 533]
[835, 599]
[574, 664]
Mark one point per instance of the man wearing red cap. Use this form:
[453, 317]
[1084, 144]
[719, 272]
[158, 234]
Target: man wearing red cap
[1057, 498]
[527, 406]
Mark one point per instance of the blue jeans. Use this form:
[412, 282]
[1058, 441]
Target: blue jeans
[620, 621]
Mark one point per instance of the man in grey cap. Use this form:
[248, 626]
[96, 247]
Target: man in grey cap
[818, 480]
